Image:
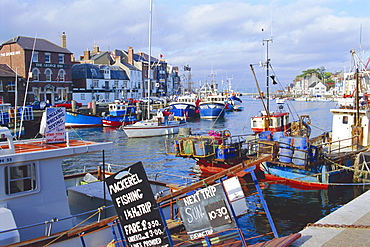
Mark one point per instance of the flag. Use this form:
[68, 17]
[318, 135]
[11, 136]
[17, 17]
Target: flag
[113, 56]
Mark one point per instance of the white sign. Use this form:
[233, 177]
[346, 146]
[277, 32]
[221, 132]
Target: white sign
[55, 131]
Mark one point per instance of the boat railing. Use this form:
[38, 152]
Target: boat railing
[345, 145]
[50, 223]
[203, 146]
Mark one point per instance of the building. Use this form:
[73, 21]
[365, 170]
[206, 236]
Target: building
[12, 86]
[96, 82]
[45, 65]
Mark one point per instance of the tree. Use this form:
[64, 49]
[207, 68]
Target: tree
[321, 74]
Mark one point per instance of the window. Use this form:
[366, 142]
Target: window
[95, 83]
[61, 75]
[35, 74]
[1, 86]
[11, 86]
[345, 119]
[48, 74]
[61, 58]
[47, 58]
[20, 178]
[36, 93]
[35, 57]
[83, 96]
[254, 124]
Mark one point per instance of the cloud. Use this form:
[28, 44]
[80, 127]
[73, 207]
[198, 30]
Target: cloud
[225, 36]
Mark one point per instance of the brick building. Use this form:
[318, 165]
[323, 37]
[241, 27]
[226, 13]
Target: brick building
[47, 65]
[9, 89]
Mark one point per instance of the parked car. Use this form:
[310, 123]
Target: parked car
[103, 102]
[39, 105]
[67, 104]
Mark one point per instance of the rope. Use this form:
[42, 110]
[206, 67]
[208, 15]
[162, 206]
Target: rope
[64, 233]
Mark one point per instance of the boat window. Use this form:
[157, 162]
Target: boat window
[345, 119]
[254, 123]
[20, 178]
[271, 122]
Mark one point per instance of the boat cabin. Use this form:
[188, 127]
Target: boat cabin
[277, 121]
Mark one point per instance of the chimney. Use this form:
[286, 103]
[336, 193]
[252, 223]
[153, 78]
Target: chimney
[87, 55]
[96, 49]
[130, 56]
[64, 40]
[118, 59]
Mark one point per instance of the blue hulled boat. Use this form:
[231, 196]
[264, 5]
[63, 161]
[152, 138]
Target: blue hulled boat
[75, 119]
[185, 106]
[213, 106]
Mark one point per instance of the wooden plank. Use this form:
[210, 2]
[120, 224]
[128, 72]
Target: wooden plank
[211, 179]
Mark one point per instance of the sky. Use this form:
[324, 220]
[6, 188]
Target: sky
[211, 36]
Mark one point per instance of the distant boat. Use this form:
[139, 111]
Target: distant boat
[236, 102]
[76, 119]
[118, 121]
[213, 106]
[120, 115]
[151, 128]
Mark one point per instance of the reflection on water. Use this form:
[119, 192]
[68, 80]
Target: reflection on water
[290, 208]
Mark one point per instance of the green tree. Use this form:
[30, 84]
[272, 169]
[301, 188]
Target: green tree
[321, 74]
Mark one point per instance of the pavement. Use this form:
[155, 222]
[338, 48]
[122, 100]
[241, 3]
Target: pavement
[348, 226]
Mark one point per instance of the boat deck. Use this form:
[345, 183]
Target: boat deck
[40, 145]
[347, 226]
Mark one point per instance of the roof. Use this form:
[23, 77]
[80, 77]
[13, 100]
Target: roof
[6, 71]
[86, 70]
[130, 66]
[93, 71]
[27, 43]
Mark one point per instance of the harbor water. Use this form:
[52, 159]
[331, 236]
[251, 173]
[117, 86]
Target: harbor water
[291, 209]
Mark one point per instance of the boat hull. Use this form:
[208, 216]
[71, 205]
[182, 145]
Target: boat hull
[74, 119]
[111, 121]
[183, 110]
[305, 179]
[211, 110]
[151, 129]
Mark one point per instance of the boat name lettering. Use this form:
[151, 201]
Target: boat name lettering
[124, 183]
[5, 160]
[132, 196]
[138, 210]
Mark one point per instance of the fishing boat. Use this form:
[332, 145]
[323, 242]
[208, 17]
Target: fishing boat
[213, 106]
[315, 163]
[215, 151]
[236, 103]
[81, 120]
[152, 126]
[120, 115]
[186, 106]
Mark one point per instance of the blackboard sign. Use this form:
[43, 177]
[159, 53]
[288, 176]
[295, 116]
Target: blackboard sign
[136, 207]
[205, 212]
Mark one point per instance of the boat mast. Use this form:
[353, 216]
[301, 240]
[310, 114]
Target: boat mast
[150, 54]
[267, 73]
